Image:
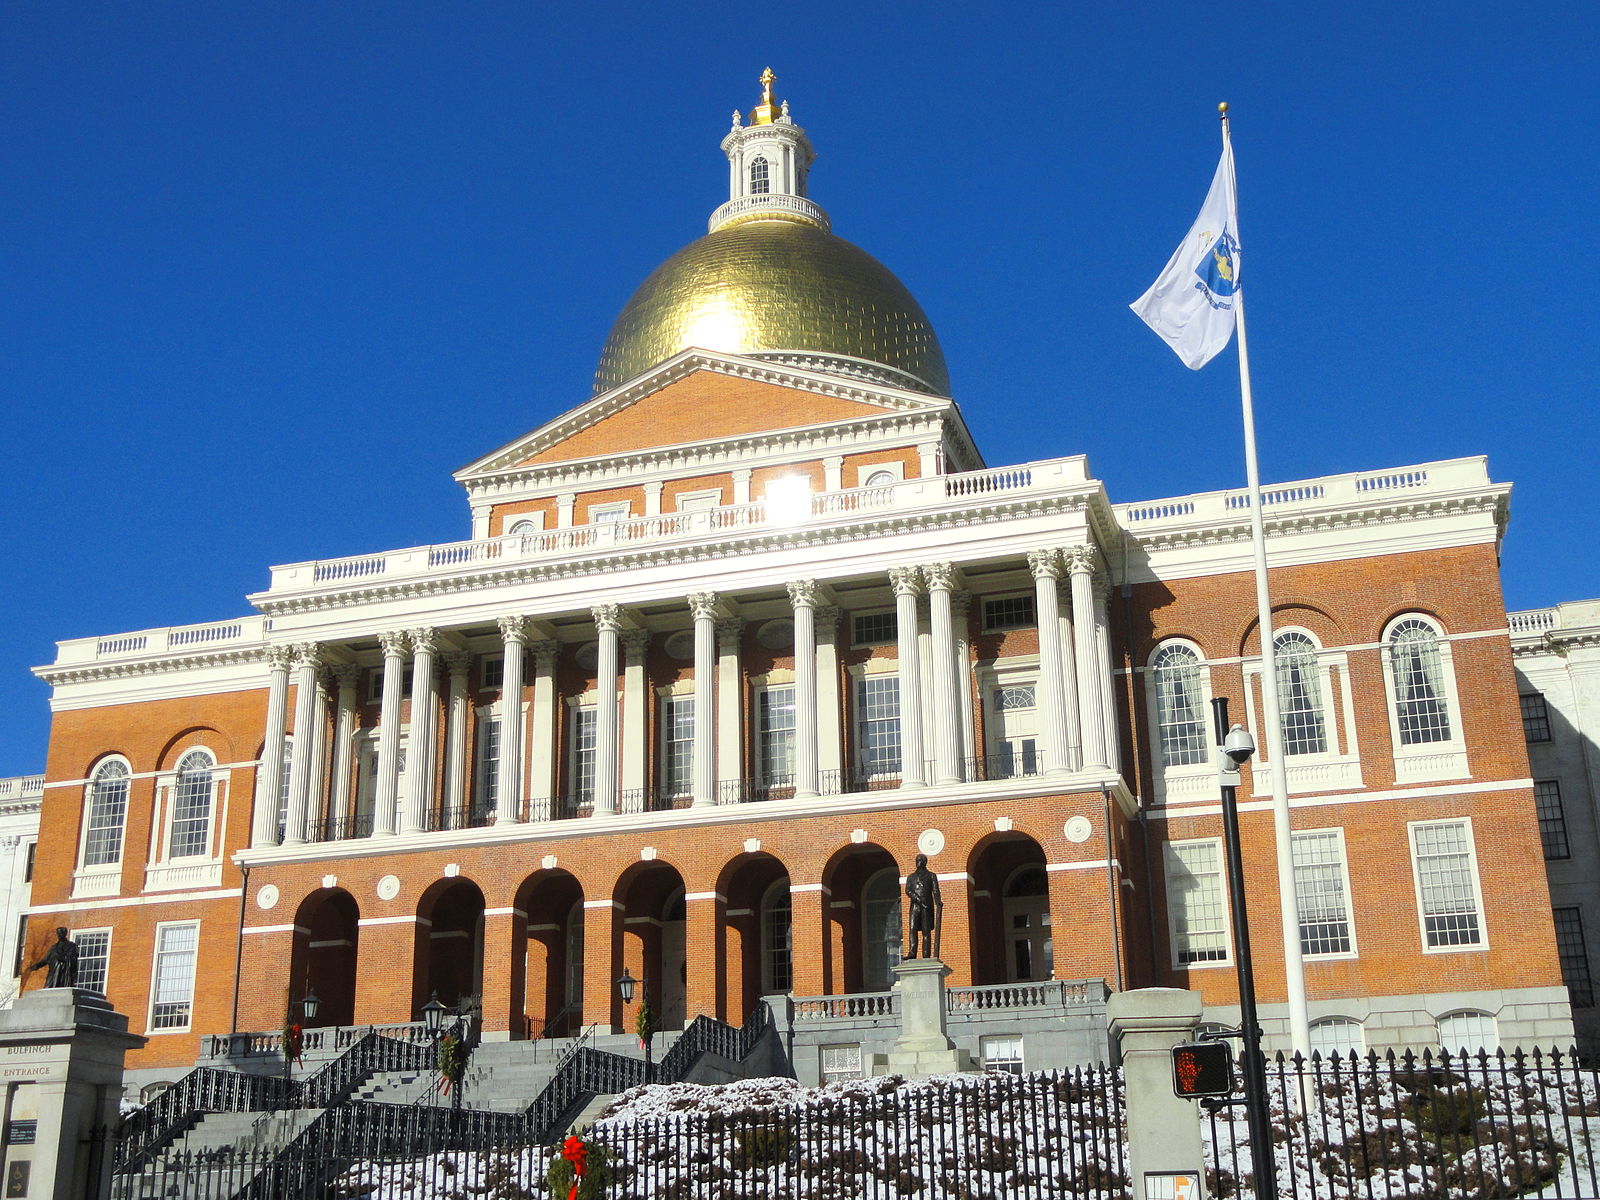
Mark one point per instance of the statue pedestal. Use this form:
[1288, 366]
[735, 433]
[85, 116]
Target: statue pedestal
[61, 1058]
[923, 1048]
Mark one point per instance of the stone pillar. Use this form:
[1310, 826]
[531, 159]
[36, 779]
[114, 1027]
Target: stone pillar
[923, 1048]
[809, 933]
[1046, 568]
[602, 964]
[730, 702]
[833, 473]
[1091, 693]
[1069, 669]
[269, 779]
[348, 678]
[307, 662]
[830, 701]
[505, 940]
[565, 504]
[960, 604]
[508, 772]
[803, 595]
[458, 663]
[741, 485]
[64, 1052]
[635, 745]
[543, 754]
[907, 583]
[424, 731]
[947, 742]
[387, 792]
[1102, 658]
[652, 498]
[318, 753]
[703, 782]
[1163, 1130]
[608, 623]
[707, 990]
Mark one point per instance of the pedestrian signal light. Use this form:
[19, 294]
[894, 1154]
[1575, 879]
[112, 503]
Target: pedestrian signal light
[1202, 1069]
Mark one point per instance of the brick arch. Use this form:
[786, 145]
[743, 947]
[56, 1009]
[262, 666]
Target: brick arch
[746, 882]
[1395, 612]
[207, 737]
[449, 941]
[547, 955]
[845, 878]
[1290, 611]
[647, 920]
[325, 953]
[993, 864]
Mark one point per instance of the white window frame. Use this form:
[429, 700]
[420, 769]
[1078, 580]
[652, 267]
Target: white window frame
[874, 669]
[483, 673]
[1169, 860]
[165, 871]
[865, 471]
[1426, 762]
[764, 776]
[1343, 866]
[1482, 943]
[78, 936]
[1357, 1049]
[523, 523]
[366, 798]
[1339, 767]
[577, 705]
[155, 975]
[1460, 1047]
[877, 612]
[102, 879]
[667, 700]
[697, 501]
[485, 770]
[1016, 672]
[1014, 1059]
[1185, 783]
[983, 611]
[610, 512]
[770, 952]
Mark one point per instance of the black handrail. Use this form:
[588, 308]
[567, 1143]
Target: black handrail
[147, 1131]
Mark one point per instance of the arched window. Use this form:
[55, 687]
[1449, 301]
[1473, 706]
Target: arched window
[523, 527]
[880, 930]
[1337, 1035]
[1180, 706]
[777, 964]
[1300, 694]
[1468, 1032]
[760, 183]
[108, 811]
[191, 807]
[880, 479]
[1417, 674]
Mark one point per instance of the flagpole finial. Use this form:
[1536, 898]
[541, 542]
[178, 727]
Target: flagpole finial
[1222, 110]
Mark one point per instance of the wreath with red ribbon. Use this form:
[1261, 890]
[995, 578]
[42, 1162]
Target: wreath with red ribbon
[294, 1041]
[576, 1153]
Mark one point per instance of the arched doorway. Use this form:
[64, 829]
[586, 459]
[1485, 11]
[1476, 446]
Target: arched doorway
[553, 956]
[756, 935]
[652, 898]
[450, 936]
[865, 927]
[323, 957]
[1010, 911]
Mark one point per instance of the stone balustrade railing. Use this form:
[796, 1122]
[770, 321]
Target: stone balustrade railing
[780, 202]
[1057, 994]
[21, 787]
[1537, 620]
[241, 631]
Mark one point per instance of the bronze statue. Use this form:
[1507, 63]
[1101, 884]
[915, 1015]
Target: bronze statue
[927, 909]
[62, 961]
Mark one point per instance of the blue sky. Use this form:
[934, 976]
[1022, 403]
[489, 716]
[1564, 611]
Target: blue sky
[272, 271]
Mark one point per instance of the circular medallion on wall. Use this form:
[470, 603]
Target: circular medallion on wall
[930, 842]
[388, 887]
[267, 897]
[588, 656]
[680, 645]
[777, 634]
[1078, 829]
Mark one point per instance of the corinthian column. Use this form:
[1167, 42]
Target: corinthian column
[830, 707]
[348, 678]
[424, 729]
[457, 663]
[705, 606]
[1046, 568]
[508, 775]
[608, 622]
[635, 693]
[542, 753]
[730, 743]
[947, 746]
[1091, 692]
[269, 779]
[1102, 648]
[907, 583]
[803, 595]
[394, 663]
[307, 662]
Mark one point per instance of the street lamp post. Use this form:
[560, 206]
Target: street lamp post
[625, 986]
[433, 1016]
[308, 1013]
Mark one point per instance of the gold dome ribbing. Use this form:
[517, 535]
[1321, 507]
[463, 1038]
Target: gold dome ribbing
[773, 285]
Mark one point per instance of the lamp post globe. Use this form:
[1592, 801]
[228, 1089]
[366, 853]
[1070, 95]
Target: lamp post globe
[433, 1014]
[625, 985]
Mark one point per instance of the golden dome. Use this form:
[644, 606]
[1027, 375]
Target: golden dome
[780, 289]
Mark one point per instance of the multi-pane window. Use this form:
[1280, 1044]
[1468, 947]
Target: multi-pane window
[94, 952]
[677, 745]
[1320, 892]
[283, 786]
[760, 179]
[1015, 708]
[583, 754]
[191, 807]
[1417, 669]
[1535, 717]
[108, 809]
[841, 1062]
[876, 629]
[486, 795]
[777, 964]
[1195, 905]
[1574, 957]
[1337, 1035]
[1300, 694]
[494, 673]
[1469, 1032]
[1002, 1054]
[1447, 886]
[1180, 706]
[881, 925]
[1552, 818]
[878, 724]
[1009, 612]
[172, 990]
[775, 733]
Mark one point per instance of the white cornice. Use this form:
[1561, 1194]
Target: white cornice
[95, 672]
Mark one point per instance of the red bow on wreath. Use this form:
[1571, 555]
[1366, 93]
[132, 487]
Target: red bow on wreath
[294, 1044]
[574, 1151]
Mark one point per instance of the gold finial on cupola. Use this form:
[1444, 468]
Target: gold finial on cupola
[768, 110]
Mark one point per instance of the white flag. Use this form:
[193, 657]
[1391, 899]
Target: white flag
[1191, 303]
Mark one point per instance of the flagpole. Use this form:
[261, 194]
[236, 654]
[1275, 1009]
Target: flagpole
[1293, 965]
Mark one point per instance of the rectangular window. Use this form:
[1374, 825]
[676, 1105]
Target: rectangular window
[494, 673]
[583, 745]
[1009, 612]
[677, 745]
[22, 944]
[1574, 957]
[698, 501]
[600, 514]
[775, 734]
[283, 786]
[108, 805]
[1321, 892]
[1535, 717]
[1002, 1055]
[1196, 909]
[27, 870]
[876, 629]
[486, 794]
[375, 685]
[172, 989]
[191, 815]
[1447, 884]
[841, 1062]
[878, 724]
[1552, 818]
[94, 951]
[1015, 719]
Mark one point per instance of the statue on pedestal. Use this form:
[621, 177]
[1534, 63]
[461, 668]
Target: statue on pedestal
[926, 909]
[61, 961]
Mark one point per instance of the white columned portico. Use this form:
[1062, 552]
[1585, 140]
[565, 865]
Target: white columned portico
[803, 594]
[608, 624]
[730, 725]
[1090, 691]
[907, 583]
[424, 728]
[348, 678]
[307, 662]
[1102, 658]
[635, 749]
[394, 665]
[269, 779]
[542, 756]
[947, 743]
[1046, 568]
[457, 664]
[706, 608]
[317, 789]
[1069, 669]
[960, 607]
[830, 709]
[508, 772]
